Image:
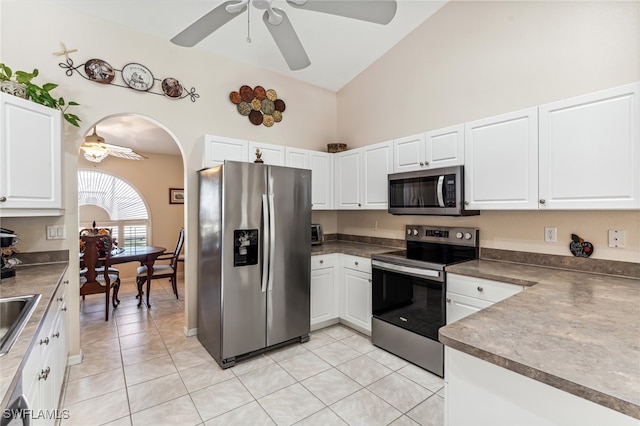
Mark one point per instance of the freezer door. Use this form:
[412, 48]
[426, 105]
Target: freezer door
[244, 302]
[288, 288]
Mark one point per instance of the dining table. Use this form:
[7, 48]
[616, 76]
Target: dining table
[146, 255]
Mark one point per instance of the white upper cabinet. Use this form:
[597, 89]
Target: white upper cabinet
[348, 179]
[377, 163]
[217, 149]
[501, 162]
[321, 165]
[590, 151]
[409, 153]
[297, 157]
[445, 147]
[30, 158]
[271, 154]
[437, 148]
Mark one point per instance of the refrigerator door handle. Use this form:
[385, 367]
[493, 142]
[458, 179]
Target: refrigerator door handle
[265, 242]
[272, 240]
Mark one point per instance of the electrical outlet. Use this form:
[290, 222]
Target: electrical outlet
[616, 238]
[550, 234]
[56, 232]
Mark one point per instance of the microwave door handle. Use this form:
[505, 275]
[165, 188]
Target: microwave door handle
[440, 185]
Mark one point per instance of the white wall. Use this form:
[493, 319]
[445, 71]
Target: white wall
[475, 59]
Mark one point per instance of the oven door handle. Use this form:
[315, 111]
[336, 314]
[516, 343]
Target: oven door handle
[429, 273]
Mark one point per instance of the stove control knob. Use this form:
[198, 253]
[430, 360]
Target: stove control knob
[415, 232]
[408, 231]
[467, 235]
[459, 235]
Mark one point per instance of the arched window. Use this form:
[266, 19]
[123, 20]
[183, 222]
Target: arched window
[113, 203]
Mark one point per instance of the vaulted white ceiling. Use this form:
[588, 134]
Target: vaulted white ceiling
[339, 48]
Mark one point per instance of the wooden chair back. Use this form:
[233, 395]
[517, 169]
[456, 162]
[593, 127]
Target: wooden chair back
[96, 253]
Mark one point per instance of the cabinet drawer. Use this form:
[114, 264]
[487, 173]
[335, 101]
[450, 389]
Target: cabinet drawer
[492, 291]
[323, 261]
[356, 263]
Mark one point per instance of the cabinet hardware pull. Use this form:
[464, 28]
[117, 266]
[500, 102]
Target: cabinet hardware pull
[356, 263]
[422, 163]
[370, 280]
[44, 341]
[64, 309]
[3, 199]
[66, 282]
[480, 288]
[321, 261]
[542, 201]
[466, 203]
[448, 300]
[57, 334]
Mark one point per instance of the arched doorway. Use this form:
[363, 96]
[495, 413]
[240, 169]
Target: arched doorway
[152, 178]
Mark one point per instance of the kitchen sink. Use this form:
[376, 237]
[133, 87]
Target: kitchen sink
[14, 314]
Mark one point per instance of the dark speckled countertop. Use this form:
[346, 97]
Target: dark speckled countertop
[348, 247]
[576, 331]
[36, 279]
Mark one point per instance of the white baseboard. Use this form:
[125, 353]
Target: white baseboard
[190, 331]
[75, 359]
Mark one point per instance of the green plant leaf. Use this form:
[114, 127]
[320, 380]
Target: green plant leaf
[49, 86]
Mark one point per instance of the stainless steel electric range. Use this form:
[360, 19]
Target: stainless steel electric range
[409, 292]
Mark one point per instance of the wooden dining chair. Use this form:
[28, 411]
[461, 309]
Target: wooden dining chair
[97, 277]
[168, 270]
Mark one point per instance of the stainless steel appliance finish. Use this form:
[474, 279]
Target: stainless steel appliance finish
[255, 258]
[409, 292]
[428, 192]
[317, 236]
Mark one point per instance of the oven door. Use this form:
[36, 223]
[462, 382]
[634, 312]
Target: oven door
[408, 297]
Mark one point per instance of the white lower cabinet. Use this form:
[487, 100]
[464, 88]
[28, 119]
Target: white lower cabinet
[467, 295]
[324, 297]
[355, 306]
[43, 373]
[341, 291]
[483, 394]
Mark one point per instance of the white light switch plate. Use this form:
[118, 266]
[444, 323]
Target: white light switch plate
[56, 232]
[616, 238]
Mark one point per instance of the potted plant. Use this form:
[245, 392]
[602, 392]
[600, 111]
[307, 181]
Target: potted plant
[20, 84]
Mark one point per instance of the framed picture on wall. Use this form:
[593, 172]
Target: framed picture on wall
[176, 195]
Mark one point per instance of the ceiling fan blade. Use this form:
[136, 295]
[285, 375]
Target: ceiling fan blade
[117, 148]
[287, 41]
[376, 11]
[128, 155]
[206, 25]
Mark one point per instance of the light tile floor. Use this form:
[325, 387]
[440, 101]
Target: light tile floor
[140, 369]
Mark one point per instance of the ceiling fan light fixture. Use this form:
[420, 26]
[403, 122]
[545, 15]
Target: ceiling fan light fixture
[95, 154]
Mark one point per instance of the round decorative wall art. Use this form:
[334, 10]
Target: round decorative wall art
[259, 105]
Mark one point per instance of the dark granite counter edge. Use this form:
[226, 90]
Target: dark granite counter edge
[584, 392]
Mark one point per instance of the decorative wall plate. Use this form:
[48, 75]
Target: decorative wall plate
[172, 87]
[99, 71]
[137, 77]
[260, 105]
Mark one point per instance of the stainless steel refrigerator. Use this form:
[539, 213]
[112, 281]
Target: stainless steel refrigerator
[255, 258]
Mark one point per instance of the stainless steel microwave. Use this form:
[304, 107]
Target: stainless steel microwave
[429, 192]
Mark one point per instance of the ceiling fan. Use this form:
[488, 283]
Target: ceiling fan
[279, 25]
[95, 149]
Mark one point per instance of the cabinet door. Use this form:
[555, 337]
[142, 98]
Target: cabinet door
[323, 307]
[321, 164]
[296, 157]
[30, 155]
[357, 298]
[501, 162]
[377, 163]
[445, 147]
[409, 153]
[271, 154]
[217, 149]
[348, 179]
[590, 151]
[459, 306]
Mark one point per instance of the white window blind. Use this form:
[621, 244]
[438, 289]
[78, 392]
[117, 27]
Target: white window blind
[127, 210]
